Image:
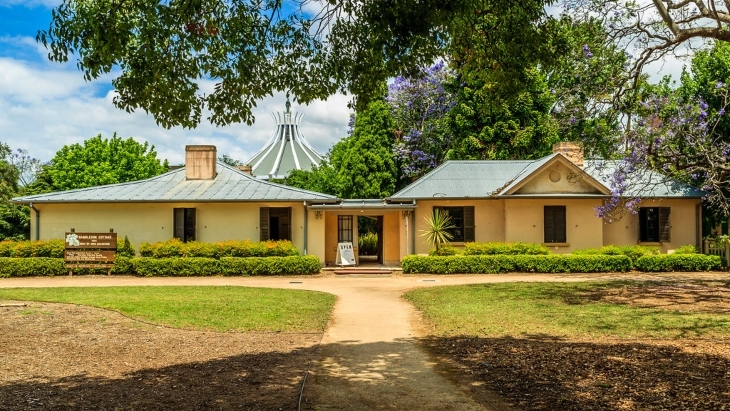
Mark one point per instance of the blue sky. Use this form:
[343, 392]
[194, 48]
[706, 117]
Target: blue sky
[46, 105]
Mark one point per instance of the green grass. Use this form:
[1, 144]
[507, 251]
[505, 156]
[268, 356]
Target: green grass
[200, 308]
[555, 310]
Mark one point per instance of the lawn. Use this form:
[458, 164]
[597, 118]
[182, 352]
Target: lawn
[199, 308]
[570, 310]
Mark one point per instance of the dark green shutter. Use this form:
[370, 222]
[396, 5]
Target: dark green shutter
[469, 224]
[264, 223]
[189, 224]
[178, 230]
[664, 227]
[554, 224]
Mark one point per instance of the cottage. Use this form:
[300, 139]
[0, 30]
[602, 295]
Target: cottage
[551, 201]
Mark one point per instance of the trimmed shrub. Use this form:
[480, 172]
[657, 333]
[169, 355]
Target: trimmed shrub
[124, 248]
[679, 262]
[443, 251]
[31, 266]
[292, 265]
[687, 249]
[492, 264]
[233, 248]
[501, 248]
[367, 244]
[22, 249]
[632, 251]
[176, 267]
[123, 265]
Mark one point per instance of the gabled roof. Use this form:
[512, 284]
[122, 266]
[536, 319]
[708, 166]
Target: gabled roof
[503, 178]
[229, 185]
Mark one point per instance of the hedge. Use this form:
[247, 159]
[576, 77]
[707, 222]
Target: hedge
[634, 252]
[501, 248]
[43, 248]
[233, 248]
[293, 265]
[493, 264]
[199, 266]
[31, 266]
[679, 262]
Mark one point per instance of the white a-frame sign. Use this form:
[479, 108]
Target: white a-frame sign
[345, 254]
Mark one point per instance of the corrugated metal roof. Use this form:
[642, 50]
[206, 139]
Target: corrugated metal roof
[229, 185]
[494, 178]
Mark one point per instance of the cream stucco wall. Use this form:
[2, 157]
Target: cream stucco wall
[524, 222]
[488, 220]
[315, 234]
[560, 177]
[683, 223]
[152, 222]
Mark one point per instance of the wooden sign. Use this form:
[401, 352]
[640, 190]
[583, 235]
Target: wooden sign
[85, 256]
[345, 254]
[91, 240]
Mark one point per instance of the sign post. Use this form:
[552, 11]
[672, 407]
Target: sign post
[90, 250]
[345, 254]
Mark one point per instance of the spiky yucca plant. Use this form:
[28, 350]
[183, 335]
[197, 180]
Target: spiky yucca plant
[437, 234]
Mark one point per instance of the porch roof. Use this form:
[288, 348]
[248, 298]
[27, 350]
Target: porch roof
[366, 204]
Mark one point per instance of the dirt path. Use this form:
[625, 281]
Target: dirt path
[370, 358]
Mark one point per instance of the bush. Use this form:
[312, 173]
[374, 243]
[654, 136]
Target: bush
[31, 266]
[124, 248]
[500, 248]
[367, 244]
[291, 265]
[443, 251]
[492, 264]
[686, 249]
[679, 262]
[176, 266]
[631, 251]
[23, 249]
[123, 265]
[233, 248]
[200, 266]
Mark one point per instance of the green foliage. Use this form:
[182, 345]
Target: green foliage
[678, 262]
[437, 232]
[103, 161]
[443, 251]
[504, 248]
[486, 126]
[368, 168]
[232, 248]
[294, 265]
[252, 49]
[124, 265]
[31, 266]
[687, 249]
[200, 266]
[632, 251]
[177, 267]
[124, 247]
[23, 249]
[367, 244]
[493, 264]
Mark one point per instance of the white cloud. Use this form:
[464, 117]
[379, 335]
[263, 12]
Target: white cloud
[46, 106]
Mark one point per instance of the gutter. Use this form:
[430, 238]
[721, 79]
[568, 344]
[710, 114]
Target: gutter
[37, 221]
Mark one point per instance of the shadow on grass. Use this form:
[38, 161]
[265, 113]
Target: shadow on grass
[550, 374]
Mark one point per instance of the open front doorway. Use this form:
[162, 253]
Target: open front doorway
[370, 239]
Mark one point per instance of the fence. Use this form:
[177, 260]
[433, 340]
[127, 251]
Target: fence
[714, 247]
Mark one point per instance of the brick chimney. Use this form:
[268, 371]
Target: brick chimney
[573, 151]
[200, 162]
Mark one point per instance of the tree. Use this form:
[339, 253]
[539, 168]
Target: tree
[251, 49]
[489, 126]
[14, 218]
[368, 168]
[103, 161]
[228, 160]
[657, 28]
[419, 106]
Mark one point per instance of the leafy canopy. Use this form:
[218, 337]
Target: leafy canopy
[168, 50]
[103, 161]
